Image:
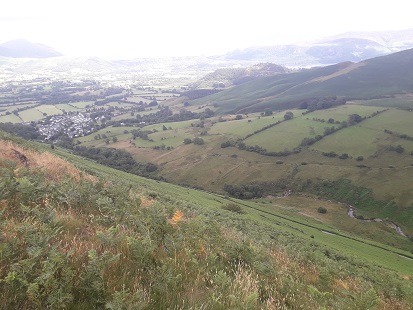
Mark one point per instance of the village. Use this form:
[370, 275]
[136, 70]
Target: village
[73, 124]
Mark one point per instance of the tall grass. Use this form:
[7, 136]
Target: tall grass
[77, 242]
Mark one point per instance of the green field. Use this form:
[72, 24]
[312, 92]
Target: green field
[10, 118]
[82, 104]
[341, 113]
[395, 120]
[31, 115]
[354, 141]
[241, 128]
[403, 102]
[287, 135]
[67, 107]
[49, 109]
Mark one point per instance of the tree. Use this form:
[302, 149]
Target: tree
[198, 141]
[267, 112]
[238, 117]
[115, 139]
[164, 127]
[289, 115]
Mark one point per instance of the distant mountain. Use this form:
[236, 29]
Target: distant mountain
[63, 64]
[25, 49]
[351, 46]
[235, 76]
[378, 77]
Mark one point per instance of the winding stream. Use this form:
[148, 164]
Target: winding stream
[351, 213]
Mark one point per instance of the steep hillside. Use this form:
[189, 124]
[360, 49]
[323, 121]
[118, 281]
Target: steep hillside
[374, 78]
[118, 241]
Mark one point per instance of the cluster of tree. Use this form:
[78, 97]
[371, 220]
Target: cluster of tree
[28, 132]
[313, 104]
[197, 141]
[258, 149]
[115, 158]
[401, 136]
[322, 120]
[244, 191]
[334, 154]
[162, 147]
[143, 134]
[398, 148]
[327, 131]
[164, 115]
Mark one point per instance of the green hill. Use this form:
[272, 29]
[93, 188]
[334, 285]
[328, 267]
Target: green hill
[78, 235]
[379, 77]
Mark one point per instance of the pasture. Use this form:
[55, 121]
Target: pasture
[287, 135]
[398, 121]
[241, 128]
[49, 109]
[341, 113]
[10, 118]
[82, 104]
[31, 115]
[67, 107]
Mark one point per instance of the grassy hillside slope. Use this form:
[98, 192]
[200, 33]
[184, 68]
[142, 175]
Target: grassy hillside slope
[374, 78]
[377, 154]
[79, 235]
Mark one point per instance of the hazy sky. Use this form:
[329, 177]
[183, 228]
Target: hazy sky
[125, 28]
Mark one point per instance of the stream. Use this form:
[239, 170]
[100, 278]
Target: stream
[351, 213]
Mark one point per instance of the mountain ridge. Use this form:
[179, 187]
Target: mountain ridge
[22, 48]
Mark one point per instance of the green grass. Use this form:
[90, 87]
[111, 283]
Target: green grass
[373, 252]
[31, 115]
[10, 118]
[353, 141]
[241, 128]
[117, 240]
[287, 135]
[398, 102]
[68, 107]
[396, 120]
[82, 104]
[341, 113]
[49, 109]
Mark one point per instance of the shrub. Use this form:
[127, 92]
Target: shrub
[360, 158]
[233, 208]
[322, 210]
[343, 156]
[198, 141]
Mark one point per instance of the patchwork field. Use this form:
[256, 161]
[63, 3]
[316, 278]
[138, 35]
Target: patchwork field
[341, 113]
[287, 135]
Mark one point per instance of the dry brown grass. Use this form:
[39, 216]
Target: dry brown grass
[54, 167]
